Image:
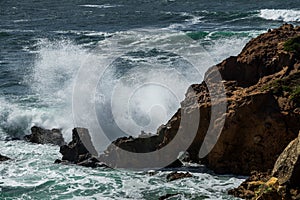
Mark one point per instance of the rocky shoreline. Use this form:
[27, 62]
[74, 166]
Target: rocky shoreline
[260, 137]
[263, 116]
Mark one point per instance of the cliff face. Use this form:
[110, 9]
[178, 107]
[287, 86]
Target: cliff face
[262, 116]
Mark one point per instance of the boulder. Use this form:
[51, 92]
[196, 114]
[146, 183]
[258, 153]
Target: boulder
[248, 189]
[167, 196]
[80, 150]
[287, 166]
[178, 175]
[3, 158]
[44, 136]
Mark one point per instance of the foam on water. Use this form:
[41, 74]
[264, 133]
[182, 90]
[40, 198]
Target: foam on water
[51, 80]
[32, 175]
[57, 62]
[280, 15]
[100, 6]
[227, 46]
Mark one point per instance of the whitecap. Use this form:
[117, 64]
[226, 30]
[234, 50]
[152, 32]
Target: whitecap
[100, 6]
[280, 15]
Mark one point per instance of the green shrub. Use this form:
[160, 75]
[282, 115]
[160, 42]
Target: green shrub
[279, 86]
[295, 95]
[292, 45]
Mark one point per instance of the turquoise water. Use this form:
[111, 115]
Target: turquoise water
[46, 46]
[33, 175]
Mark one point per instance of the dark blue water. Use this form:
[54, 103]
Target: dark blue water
[46, 46]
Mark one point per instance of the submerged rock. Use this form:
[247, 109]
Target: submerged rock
[44, 136]
[3, 158]
[178, 175]
[167, 196]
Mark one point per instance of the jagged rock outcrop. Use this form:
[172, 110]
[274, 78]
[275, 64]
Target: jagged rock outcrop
[80, 150]
[263, 115]
[44, 136]
[3, 158]
[262, 101]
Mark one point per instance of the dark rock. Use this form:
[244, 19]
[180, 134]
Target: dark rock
[44, 136]
[3, 158]
[57, 161]
[80, 150]
[167, 196]
[12, 138]
[178, 175]
[176, 164]
[92, 162]
[152, 172]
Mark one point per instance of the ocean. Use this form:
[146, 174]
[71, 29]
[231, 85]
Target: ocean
[122, 65]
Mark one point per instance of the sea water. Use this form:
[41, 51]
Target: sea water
[139, 49]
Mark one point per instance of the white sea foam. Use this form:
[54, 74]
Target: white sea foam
[51, 79]
[192, 20]
[33, 174]
[57, 63]
[280, 15]
[222, 48]
[100, 6]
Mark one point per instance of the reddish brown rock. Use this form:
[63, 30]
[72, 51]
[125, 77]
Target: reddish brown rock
[262, 114]
[260, 118]
[262, 56]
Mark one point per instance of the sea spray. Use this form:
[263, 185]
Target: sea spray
[56, 65]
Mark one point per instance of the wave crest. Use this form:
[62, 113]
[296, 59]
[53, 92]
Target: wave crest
[280, 15]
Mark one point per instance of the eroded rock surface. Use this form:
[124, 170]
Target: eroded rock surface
[282, 183]
[262, 110]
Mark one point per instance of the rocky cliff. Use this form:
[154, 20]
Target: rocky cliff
[262, 96]
[261, 116]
